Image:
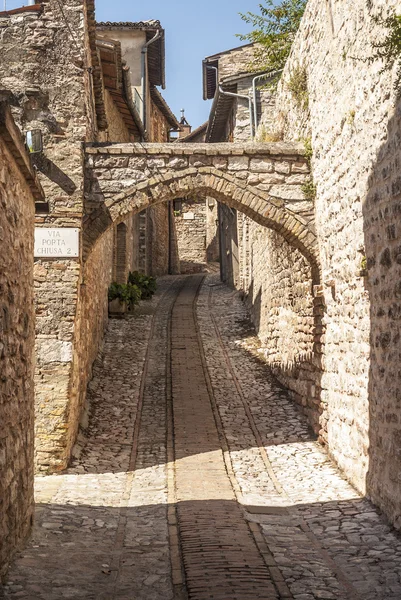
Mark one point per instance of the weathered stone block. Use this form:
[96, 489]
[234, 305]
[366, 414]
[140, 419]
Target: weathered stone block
[238, 163]
[261, 165]
[53, 351]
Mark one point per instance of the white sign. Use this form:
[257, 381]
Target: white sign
[62, 242]
[189, 216]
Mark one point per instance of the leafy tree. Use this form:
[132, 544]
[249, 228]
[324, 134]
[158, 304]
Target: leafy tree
[274, 29]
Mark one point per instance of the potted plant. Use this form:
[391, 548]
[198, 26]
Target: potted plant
[122, 297]
[118, 300]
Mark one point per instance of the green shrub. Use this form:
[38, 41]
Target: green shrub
[145, 283]
[125, 292]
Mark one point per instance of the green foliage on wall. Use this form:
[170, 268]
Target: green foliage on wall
[389, 49]
[309, 187]
[309, 190]
[298, 86]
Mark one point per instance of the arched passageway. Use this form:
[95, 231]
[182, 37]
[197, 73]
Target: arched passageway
[264, 182]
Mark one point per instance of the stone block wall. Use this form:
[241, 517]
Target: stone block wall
[161, 245]
[354, 123]
[48, 74]
[191, 236]
[16, 356]
[277, 280]
[117, 130]
[50, 63]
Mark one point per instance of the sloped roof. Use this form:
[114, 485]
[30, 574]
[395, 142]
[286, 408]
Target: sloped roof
[199, 131]
[156, 51]
[152, 24]
[22, 9]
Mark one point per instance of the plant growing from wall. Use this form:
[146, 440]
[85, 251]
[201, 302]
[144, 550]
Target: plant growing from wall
[266, 135]
[274, 29]
[298, 86]
[389, 49]
[308, 150]
[145, 283]
[309, 187]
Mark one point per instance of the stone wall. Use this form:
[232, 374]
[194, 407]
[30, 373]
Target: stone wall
[275, 277]
[277, 280]
[161, 247]
[50, 63]
[48, 74]
[16, 355]
[191, 236]
[117, 130]
[159, 128]
[354, 123]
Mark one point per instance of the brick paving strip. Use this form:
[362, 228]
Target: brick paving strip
[221, 558]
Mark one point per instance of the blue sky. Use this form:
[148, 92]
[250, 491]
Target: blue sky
[194, 29]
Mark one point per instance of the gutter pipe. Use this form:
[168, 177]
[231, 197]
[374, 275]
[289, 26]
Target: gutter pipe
[232, 95]
[255, 103]
[144, 53]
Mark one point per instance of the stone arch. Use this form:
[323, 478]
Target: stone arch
[258, 205]
[120, 253]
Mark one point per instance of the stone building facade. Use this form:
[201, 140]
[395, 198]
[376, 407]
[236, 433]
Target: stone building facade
[18, 191]
[197, 237]
[53, 59]
[352, 105]
[197, 233]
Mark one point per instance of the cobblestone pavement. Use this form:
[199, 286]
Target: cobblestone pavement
[326, 541]
[250, 508]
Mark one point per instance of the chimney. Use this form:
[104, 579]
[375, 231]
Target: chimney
[185, 127]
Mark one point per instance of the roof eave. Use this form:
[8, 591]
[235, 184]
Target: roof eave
[218, 116]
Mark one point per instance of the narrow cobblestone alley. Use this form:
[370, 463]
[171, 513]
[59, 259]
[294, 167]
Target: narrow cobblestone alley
[197, 478]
